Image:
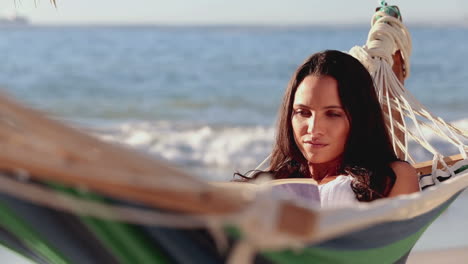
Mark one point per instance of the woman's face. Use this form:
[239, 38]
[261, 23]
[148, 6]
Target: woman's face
[319, 122]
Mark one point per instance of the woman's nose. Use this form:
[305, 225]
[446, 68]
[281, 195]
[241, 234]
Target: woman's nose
[314, 125]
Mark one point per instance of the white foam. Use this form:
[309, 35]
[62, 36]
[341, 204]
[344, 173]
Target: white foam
[229, 148]
[237, 148]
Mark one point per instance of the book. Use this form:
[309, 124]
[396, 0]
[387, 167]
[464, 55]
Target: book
[299, 190]
[296, 189]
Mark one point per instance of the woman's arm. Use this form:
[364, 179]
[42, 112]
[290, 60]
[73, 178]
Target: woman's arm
[407, 180]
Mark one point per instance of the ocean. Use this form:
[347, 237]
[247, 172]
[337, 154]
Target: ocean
[206, 97]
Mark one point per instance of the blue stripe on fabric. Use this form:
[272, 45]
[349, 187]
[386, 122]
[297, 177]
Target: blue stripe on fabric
[50, 225]
[383, 234]
[186, 246]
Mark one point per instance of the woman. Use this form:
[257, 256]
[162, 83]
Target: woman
[331, 129]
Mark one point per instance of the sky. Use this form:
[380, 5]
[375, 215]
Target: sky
[230, 11]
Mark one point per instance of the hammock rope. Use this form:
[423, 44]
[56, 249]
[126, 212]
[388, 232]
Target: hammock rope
[387, 36]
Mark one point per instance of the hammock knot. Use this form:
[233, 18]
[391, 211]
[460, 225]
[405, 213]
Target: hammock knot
[259, 223]
[387, 35]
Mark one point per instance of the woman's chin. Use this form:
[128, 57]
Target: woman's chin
[316, 159]
[320, 158]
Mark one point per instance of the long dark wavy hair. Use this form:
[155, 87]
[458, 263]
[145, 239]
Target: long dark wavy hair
[368, 151]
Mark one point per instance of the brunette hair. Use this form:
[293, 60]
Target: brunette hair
[368, 151]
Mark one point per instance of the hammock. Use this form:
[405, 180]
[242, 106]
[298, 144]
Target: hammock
[66, 197]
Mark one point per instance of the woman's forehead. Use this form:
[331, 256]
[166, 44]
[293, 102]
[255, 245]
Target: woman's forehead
[317, 91]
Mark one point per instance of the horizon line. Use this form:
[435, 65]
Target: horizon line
[242, 24]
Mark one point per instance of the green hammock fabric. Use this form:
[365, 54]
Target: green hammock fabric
[384, 242]
[126, 242]
[395, 250]
[31, 239]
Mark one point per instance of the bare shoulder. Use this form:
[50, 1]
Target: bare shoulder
[406, 179]
[401, 167]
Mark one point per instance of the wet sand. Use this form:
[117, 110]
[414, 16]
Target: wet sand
[442, 256]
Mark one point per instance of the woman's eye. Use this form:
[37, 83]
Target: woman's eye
[302, 112]
[334, 114]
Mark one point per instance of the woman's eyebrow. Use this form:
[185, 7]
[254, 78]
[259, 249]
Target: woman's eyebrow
[301, 105]
[325, 107]
[333, 106]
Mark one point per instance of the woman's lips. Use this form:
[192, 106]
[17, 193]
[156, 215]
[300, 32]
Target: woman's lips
[315, 144]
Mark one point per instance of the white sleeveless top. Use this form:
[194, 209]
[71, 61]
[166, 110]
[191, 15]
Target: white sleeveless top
[337, 193]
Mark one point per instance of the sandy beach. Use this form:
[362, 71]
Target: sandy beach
[446, 256]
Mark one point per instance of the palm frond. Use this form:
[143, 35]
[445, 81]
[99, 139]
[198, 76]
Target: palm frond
[53, 2]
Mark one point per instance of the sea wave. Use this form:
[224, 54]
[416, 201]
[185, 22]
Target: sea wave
[227, 147]
[235, 147]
